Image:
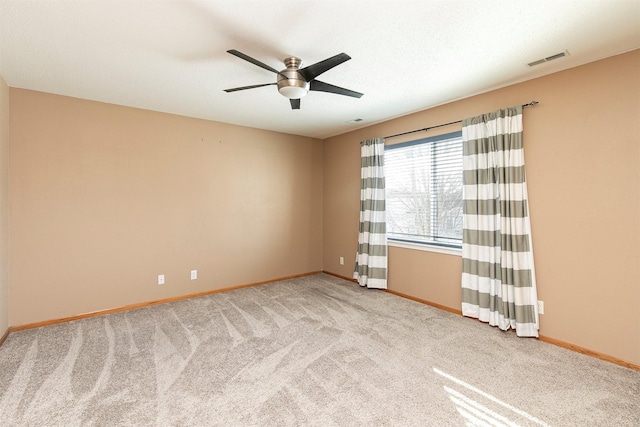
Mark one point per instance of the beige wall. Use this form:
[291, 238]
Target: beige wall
[4, 207]
[582, 146]
[104, 198]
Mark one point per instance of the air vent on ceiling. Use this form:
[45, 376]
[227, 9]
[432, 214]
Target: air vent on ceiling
[549, 58]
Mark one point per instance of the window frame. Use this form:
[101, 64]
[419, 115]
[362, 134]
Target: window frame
[433, 246]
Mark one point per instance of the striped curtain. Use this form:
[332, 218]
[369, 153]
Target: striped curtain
[371, 259]
[498, 276]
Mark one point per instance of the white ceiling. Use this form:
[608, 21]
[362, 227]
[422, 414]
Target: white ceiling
[407, 56]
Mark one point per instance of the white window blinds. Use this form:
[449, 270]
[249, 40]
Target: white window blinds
[424, 190]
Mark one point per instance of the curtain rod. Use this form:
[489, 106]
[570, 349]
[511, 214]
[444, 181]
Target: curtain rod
[530, 104]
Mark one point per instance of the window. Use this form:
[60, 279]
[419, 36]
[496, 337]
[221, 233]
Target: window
[424, 190]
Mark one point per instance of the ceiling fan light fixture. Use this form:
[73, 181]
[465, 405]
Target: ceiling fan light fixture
[291, 84]
[292, 92]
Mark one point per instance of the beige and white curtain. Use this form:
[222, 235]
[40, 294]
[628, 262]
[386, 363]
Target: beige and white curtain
[498, 275]
[371, 258]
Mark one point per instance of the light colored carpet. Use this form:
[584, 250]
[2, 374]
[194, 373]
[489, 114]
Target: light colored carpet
[310, 351]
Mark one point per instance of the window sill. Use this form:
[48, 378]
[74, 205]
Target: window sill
[426, 247]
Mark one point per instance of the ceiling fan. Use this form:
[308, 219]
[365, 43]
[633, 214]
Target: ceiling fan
[294, 82]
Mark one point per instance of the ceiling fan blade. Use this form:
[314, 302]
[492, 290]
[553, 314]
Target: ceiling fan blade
[319, 86]
[248, 87]
[314, 70]
[252, 60]
[295, 104]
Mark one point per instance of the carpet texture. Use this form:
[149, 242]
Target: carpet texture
[316, 350]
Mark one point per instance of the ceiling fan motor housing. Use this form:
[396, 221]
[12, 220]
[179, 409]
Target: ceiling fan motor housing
[291, 83]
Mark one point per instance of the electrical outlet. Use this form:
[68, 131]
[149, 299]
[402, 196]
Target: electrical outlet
[341, 260]
[540, 307]
[160, 279]
[194, 274]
